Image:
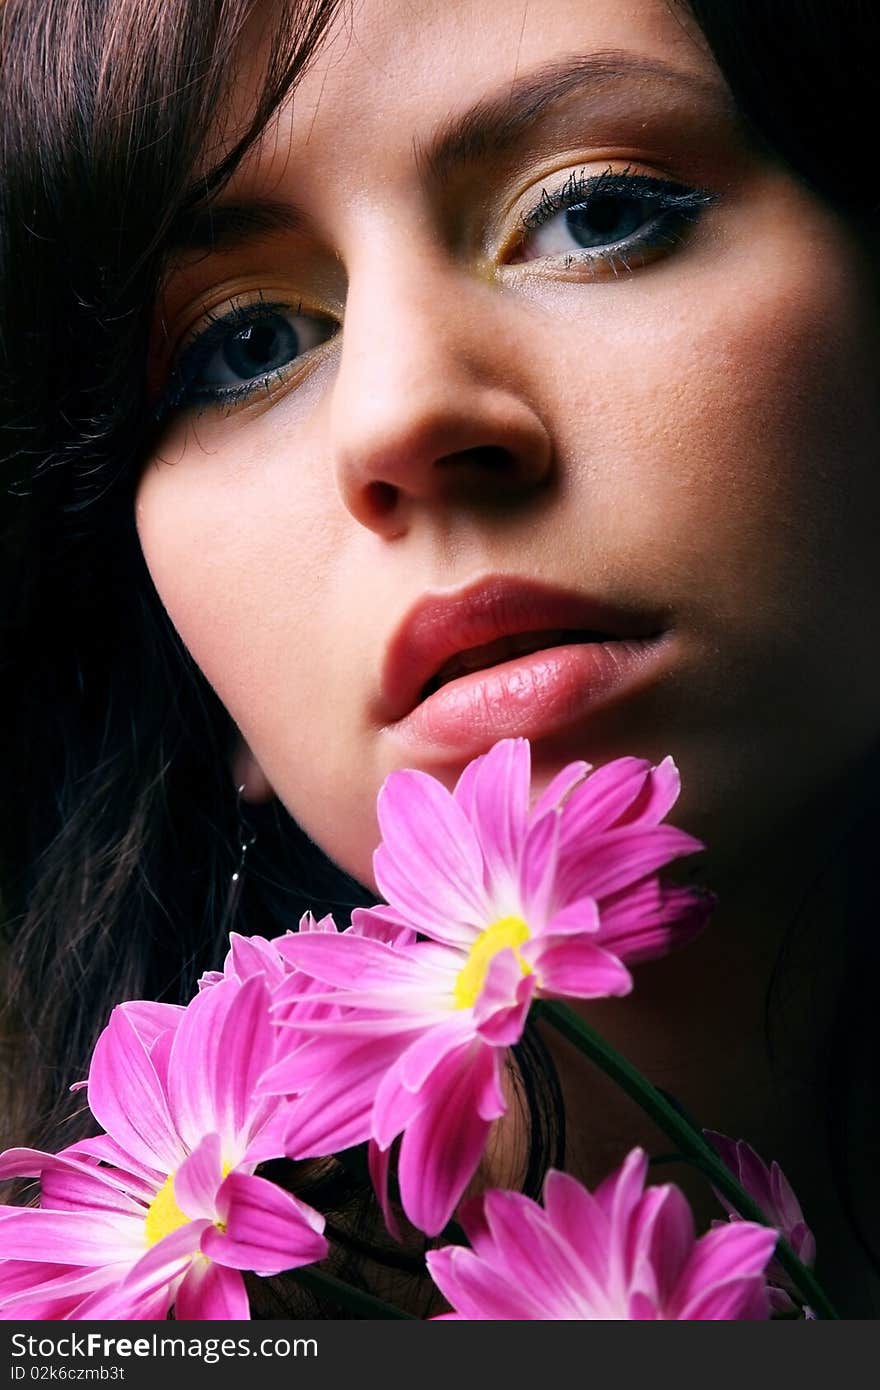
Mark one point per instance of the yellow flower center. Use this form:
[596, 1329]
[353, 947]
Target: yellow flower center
[164, 1215]
[506, 932]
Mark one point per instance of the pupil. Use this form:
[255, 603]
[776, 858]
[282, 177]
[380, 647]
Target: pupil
[604, 219]
[259, 347]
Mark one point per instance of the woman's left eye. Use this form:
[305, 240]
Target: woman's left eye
[609, 217]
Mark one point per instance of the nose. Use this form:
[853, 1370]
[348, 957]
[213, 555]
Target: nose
[429, 405]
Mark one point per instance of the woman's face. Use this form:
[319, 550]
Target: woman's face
[471, 353]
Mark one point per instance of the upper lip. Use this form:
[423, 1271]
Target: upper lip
[440, 625]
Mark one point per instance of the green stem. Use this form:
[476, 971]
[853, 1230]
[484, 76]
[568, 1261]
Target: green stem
[356, 1301]
[688, 1138]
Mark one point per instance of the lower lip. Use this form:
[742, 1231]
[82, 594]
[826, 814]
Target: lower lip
[529, 696]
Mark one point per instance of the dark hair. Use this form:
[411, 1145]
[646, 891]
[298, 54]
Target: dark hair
[119, 825]
[118, 859]
[129, 815]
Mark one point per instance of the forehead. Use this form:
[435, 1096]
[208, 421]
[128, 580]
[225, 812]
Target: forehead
[389, 74]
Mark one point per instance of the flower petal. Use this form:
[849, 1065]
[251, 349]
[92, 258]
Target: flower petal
[308, 922]
[18, 1275]
[399, 1094]
[573, 967]
[426, 1052]
[102, 1149]
[210, 1292]
[606, 798]
[559, 787]
[337, 1113]
[737, 1300]
[734, 1254]
[69, 1237]
[580, 915]
[266, 1229]
[648, 919]
[443, 1144]
[494, 793]
[538, 887]
[618, 858]
[198, 1178]
[356, 962]
[395, 1107]
[667, 1236]
[254, 955]
[225, 1042]
[148, 1289]
[379, 1167]
[118, 1305]
[126, 1098]
[68, 1183]
[381, 923]
[193, 1064]
[474, 1289]
[245, 1048]
[429, 866]
[503, 1004]
[573, 1212]
[269, 1140]
[150, 1020]
[51, 1292]
[620, 1193]
[658, 795]
[529, 1251]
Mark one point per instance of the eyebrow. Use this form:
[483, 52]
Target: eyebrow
[492, 126]
[489, 128]
[216, 226]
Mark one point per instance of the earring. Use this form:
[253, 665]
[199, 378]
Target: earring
[247, 837]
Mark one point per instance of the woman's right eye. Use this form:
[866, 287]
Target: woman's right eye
[241, 352]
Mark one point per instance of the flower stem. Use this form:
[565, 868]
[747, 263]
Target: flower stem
[683, 1132]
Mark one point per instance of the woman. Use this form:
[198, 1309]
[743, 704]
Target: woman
[327, 327]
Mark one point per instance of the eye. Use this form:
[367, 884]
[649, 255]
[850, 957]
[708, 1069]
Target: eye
[603, 220]
[242, 351]
[610, 217]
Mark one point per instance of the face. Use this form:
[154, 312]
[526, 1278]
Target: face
[517, 323]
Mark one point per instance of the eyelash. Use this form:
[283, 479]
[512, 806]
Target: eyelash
[677, 205]
[181, 390]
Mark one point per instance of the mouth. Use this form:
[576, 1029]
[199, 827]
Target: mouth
[508, 655]
[503, 649]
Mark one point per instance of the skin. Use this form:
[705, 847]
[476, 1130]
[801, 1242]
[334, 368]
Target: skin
[697, 433]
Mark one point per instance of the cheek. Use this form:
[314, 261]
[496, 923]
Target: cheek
[728, 450]
[277, 611]
[221, 554]
[238, 535]
[730, 439]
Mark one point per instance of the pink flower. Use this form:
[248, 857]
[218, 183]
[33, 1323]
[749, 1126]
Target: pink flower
[622, 1252]
[257, 955]
[774, 1195]
[516, 901]
[164, 1208]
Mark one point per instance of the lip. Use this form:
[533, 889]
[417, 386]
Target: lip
[529, 694]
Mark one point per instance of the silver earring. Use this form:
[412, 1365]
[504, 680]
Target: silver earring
[246, 839]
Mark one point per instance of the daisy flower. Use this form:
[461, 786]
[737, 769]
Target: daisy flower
[513, 899]
[164, 1208]
[772, 1191]
[622, 1252]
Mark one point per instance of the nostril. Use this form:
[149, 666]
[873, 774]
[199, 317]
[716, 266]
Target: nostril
[493, 458]
[383, 497]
